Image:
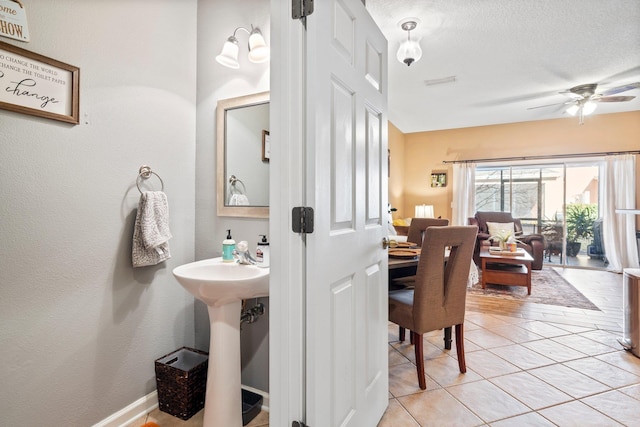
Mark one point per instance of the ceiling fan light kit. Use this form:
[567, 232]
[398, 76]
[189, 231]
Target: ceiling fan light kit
[410, 50]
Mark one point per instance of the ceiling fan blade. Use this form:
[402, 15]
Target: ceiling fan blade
[571, 95]
[619, 89]
[549, 105]
[512, 99]
[614, 99]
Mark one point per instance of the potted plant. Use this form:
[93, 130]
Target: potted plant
[504, 237]
[580, 219]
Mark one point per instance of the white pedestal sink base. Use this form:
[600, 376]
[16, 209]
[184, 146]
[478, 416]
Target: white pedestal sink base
[223, 401]
[222, 286]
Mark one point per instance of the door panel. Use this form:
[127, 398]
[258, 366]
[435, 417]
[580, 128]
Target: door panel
[342, 146]
[374, 158]
[346, 176]
[343, 385]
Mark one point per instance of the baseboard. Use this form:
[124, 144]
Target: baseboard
[137, 409]
[148, 403]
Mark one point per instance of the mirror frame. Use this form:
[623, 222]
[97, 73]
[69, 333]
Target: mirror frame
[223, 106]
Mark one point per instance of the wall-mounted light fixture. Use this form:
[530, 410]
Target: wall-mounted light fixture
[258, 49]
[409, 51]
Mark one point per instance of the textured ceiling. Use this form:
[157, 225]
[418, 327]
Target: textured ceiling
[507, 56]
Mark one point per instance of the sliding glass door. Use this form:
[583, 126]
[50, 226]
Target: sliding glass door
[559, 201]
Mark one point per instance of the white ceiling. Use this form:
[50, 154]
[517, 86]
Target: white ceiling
[507, 56]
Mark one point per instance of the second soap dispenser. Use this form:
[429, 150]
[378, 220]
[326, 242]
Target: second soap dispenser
[262, 252]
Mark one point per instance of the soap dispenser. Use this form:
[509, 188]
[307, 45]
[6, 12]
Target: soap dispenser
[228, 246]
[262, 252]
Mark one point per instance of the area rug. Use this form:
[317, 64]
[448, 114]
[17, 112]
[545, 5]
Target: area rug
[547, 287]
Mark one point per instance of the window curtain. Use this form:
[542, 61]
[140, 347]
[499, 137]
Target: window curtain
[464, 195]
[619, 192]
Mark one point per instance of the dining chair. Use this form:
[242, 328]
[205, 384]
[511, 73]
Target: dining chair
[418, 227]
[438, 299]
[415, 235]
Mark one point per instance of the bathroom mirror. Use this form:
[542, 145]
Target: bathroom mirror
[243, 151]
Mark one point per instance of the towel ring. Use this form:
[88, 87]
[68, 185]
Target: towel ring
[145, 172]
[233, 181]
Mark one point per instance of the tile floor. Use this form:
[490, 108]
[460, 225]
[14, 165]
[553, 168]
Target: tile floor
[527, 365]
[165, 420]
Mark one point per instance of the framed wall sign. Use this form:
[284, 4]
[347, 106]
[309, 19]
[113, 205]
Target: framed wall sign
[13, 20]
[34, 84]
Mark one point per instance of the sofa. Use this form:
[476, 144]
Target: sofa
[532, 243]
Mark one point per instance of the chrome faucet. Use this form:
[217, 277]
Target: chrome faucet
[242, 254]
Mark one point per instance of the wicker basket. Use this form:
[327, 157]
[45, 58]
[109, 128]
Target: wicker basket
[181, 379]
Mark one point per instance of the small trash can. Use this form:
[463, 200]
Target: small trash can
[631, 309]
[251, 406]
[181, 380]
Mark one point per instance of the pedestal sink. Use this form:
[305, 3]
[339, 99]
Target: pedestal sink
[223, 286]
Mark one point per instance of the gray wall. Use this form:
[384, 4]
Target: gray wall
[217, 19]
[79, 327]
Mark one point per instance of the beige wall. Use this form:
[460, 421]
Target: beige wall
[396, 169]
[425, 151]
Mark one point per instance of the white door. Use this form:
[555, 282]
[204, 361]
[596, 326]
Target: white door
[346, 185]
[328, 293]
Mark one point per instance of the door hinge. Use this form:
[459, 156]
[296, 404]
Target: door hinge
[298, 424]
[301, 8]
[302, 220]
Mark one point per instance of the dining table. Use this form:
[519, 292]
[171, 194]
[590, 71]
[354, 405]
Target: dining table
[405, 266]
[402, 267]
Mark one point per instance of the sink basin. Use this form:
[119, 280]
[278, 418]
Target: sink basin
[217, 283]
[223, 286]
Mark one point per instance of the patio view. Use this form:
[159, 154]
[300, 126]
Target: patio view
[559, 201]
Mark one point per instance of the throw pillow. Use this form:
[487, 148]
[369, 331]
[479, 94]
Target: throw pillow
[401, 222]
[500, 228]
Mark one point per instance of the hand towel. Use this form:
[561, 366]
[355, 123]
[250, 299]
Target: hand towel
[239, 200]
[151, 230]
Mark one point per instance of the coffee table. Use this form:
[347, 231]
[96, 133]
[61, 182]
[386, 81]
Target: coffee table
[506, 269]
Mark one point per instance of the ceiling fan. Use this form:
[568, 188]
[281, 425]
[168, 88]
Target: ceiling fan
[583, 98]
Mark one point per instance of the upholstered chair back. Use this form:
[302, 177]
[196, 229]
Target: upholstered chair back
[418, 227]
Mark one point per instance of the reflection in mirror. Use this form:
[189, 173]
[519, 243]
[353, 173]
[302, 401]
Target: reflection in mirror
[243, 156]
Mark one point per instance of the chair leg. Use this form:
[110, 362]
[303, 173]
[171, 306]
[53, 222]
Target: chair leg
[417, 339]
[401, 333]
[447, 338]
[460, 347]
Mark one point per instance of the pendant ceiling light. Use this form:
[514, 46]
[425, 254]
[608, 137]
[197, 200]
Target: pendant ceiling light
[409, 51]
[258, 49]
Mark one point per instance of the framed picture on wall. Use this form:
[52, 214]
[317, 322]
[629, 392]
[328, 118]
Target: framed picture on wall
[266, 146]
[438, 179]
